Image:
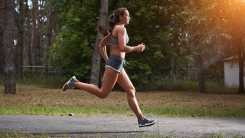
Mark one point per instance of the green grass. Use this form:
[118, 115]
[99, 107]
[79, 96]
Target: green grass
[188, 85]
[87, 111]
[160, 84]
[220, 135]
[63, 111]
[183, 112]
[15, 134]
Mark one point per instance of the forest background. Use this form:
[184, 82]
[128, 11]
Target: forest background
[186, 42]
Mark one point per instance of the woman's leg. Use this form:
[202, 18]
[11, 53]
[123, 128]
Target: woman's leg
[124, 81]
[109, 81]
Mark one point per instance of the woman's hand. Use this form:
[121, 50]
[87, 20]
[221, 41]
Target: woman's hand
[140, 48]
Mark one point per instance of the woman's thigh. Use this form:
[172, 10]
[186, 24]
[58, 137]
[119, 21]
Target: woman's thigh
[124, 81]
[109, 80]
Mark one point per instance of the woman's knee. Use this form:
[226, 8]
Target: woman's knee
[131, 92]
[104, 95]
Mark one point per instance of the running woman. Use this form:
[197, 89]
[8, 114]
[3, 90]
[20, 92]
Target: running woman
[114, 71]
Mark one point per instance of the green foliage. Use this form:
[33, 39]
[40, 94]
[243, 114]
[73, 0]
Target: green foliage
[172, 30]
[72, 51]
[147, 26]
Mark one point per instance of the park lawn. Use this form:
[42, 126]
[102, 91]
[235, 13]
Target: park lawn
[34, 100]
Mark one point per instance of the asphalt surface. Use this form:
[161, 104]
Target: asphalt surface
[97, 126]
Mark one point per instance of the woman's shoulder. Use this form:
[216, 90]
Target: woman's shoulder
[120, 28]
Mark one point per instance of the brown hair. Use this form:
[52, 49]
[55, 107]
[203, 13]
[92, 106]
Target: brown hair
[113, 20]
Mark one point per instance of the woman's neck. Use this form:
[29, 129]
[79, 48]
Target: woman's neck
[120, 24]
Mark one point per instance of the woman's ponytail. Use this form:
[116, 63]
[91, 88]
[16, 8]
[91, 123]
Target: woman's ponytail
[111, 23]
[113, 20]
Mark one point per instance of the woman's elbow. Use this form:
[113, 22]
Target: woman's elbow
[101, 46]
[122, 48]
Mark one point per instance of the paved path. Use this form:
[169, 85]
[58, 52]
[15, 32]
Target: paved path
[76, 126]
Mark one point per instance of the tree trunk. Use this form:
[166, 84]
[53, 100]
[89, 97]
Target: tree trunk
[34, 33]
[27, 48]
[196, 41]
[200, 75]
[241, 67]
[42, 31]
[48, 38]
[39, 33]
[1, 37]
[1, 50]
[171, 71]
[8, 46]
[95, 72]
[19, 47]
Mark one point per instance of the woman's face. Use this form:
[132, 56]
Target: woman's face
[125, 18]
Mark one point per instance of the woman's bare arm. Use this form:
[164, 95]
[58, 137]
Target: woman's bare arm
[102, 47]
[121, 42]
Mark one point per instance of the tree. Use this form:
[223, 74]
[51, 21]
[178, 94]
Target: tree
[34, 45]
[27, 47]
[231, 16]
[177, 34]
[200, 25]
[49, 35]
[42, 16]
[1, 36]
[146, 26]
[235, 20]
[8, 48]
[95, 72]
[20, 39]
[73, 49]
[174, 33]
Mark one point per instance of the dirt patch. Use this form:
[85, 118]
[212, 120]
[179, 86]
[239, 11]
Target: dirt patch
[32, 95]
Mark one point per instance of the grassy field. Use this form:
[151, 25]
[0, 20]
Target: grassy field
[33, 100]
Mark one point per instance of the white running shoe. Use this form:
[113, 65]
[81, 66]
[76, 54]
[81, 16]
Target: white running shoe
[69, 84]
